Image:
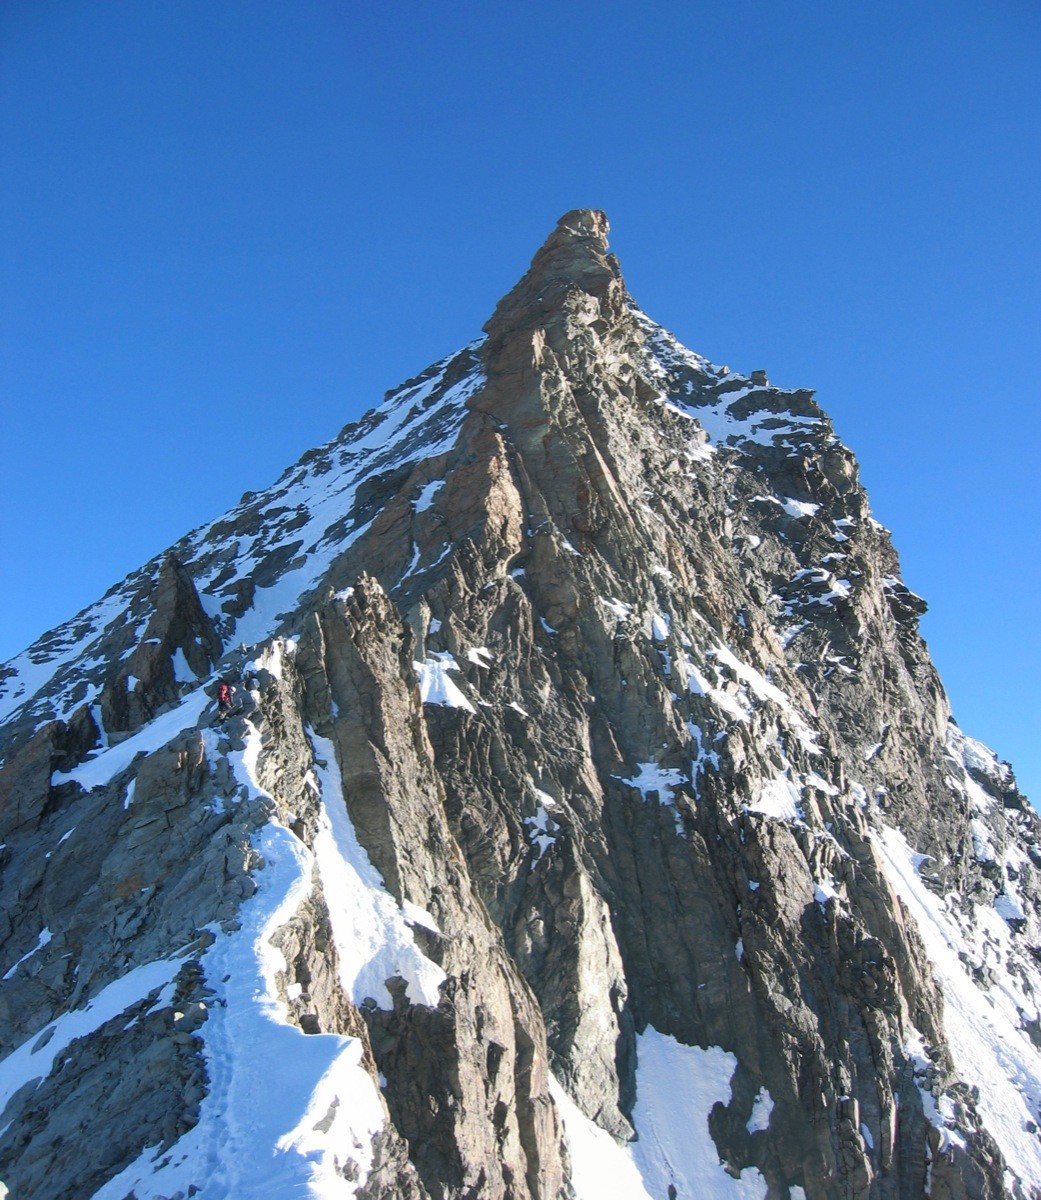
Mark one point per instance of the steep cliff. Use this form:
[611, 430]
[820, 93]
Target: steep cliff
[590, 820]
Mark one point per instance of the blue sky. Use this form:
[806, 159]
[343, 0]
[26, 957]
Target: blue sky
[229, 228]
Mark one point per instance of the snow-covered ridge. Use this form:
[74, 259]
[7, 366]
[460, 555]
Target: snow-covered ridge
[264, 553]
[250, 1139]
[735, 411]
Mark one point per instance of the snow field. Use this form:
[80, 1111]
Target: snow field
[676, 1089]
[283, 1107]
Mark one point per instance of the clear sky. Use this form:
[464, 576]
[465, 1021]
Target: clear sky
[227, 228]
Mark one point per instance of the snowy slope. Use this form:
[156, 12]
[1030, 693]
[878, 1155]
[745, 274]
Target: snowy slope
[283, 538]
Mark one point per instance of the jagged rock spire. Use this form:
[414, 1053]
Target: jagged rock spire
[550, 336]
[573, 260]
[178, 646]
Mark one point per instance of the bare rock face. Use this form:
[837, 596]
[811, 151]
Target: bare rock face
[179, 646]
[590, 820]
[468, 1083]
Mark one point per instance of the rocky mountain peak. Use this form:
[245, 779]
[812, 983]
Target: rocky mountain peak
[571, 273]
[588, 819]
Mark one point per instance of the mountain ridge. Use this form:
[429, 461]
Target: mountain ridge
[581, 668]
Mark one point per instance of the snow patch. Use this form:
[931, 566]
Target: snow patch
[660, 627]
[780, 799]
[373, 940]
[990, 1048]
[981, 844]
[621, 610]
[435, 687]
[182, 671]
[415, 915]
[425, 499]
[542, 831]
[652, 779]
[798, 508]
[761, 1110]
[41, 941]
[104, 767]
[1009, 907]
